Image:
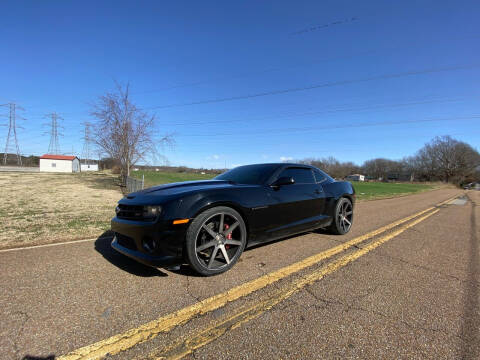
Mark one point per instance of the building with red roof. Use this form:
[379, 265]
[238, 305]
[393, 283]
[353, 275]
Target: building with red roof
[59, 163]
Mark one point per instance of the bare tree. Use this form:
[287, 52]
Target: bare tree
[382, 168]
[333, 167]
[123, 131]
[447, 159]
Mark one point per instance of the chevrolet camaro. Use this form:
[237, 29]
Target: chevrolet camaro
[208, 224]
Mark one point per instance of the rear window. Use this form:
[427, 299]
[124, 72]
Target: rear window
[300, 175]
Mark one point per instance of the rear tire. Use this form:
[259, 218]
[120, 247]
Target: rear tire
[343, 217]
[215, 240]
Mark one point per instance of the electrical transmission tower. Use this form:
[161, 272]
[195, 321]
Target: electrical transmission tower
[53, 147]
[86, 144]
[12, 133]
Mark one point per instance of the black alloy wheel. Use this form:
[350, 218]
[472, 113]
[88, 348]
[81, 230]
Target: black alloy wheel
[215, 240]
[343, 220]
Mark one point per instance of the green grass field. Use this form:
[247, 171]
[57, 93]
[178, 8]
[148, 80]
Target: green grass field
[376, 190]
[364, 190]
[158, 177]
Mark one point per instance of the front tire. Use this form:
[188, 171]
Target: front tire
[343, 217]
[215, 240]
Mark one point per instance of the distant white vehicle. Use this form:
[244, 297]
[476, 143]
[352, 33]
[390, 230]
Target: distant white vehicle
[355, 177]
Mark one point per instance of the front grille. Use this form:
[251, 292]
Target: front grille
[126, 242]
[130, 212]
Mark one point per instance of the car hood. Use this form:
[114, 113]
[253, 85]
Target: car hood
[173, 189]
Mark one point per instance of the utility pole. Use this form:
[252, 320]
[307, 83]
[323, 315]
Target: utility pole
[12, 132]
[86, 144]
[53, 145]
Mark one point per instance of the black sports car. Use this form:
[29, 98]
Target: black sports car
[209, 223]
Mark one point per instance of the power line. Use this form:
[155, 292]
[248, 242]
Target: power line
[53, 147]
[263, 132]
[314, 62]
[318, 86]
[344, 126]
[12, 132]
[362, 108]
[277, 92]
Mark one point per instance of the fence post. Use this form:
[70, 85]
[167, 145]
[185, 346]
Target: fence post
[143, 180]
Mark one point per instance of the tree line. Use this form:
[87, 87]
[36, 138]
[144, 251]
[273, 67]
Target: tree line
[442, 159]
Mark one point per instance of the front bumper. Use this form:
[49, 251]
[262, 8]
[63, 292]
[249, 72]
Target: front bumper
[152, 243]
[146, 259]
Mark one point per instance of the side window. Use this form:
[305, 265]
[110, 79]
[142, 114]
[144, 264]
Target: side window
[300, 175]
[54, 165]
[319, 177]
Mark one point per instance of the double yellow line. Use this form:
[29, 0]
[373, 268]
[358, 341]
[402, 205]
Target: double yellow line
[183, 347]
[133, 337]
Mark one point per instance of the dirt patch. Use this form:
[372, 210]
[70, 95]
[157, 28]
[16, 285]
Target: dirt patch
[41, 208]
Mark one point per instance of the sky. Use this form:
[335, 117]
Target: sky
[240, 82]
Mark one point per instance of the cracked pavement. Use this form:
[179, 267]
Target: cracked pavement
[416, 296]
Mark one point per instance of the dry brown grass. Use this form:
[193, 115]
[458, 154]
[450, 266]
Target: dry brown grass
[41, 208]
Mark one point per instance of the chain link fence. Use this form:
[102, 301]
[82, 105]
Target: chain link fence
[132, 184]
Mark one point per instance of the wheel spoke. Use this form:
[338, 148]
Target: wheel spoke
[206, 245]
[348, 222]
[231, 228]
[224, 252]
[220, 227]
[225, 235]
[210, 231]
[233, 242]
[212, 257]
[349, 213]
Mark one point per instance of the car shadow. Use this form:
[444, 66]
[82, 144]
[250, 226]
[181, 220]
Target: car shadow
[186, 270]
[266, 243]
[102, 245]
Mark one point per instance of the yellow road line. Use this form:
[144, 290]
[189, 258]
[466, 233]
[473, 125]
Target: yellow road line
[132, 337]
[186, 346]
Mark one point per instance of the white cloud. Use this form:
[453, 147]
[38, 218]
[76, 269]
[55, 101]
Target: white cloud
[286, 158]
[235, 165]
[213, 157]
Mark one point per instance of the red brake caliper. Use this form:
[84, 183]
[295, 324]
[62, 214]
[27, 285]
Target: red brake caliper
[229, 236]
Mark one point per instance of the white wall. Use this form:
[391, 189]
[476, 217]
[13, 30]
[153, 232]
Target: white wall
[50, 165]
[91, 167]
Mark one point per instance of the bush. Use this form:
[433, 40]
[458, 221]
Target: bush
[116, 169]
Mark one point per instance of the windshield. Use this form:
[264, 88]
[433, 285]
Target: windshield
[249, 174]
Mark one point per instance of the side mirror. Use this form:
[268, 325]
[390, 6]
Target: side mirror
[284, 180]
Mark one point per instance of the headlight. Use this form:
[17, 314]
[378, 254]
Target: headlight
[152, 211]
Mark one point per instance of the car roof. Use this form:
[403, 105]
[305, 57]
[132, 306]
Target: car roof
[285, 164]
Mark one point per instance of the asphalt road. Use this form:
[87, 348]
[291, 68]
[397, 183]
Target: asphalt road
[404, 283]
